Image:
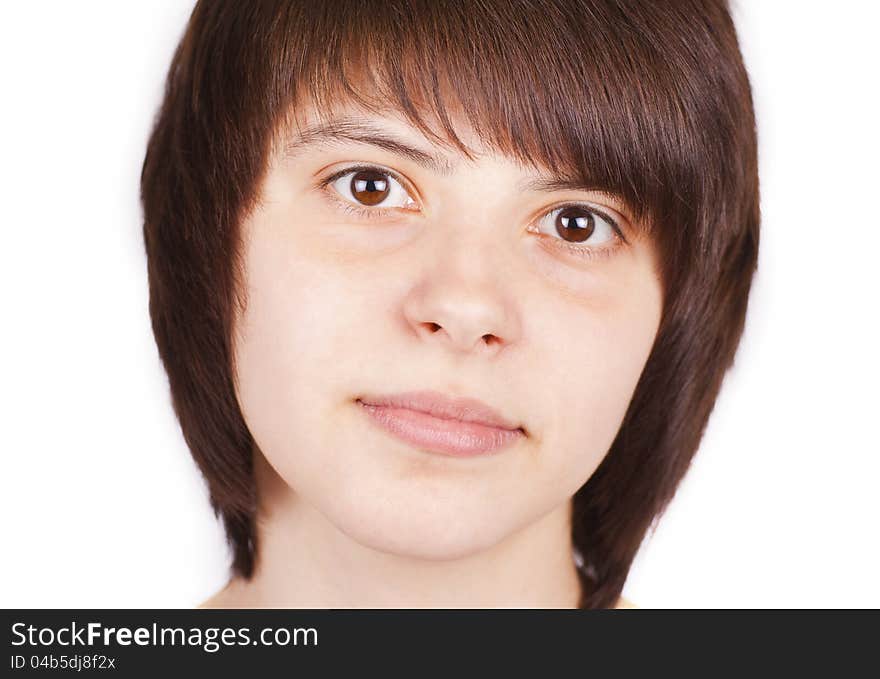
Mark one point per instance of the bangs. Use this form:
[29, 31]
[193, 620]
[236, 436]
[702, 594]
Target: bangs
[578, 90]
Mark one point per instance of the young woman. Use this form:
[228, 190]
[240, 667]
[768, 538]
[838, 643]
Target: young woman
[446, 291]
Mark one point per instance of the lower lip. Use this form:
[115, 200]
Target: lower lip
[449, 437]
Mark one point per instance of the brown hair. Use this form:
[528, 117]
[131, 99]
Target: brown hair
[649, 101]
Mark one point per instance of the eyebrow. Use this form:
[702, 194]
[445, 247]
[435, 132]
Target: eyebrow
[343, 130]
[350, 130]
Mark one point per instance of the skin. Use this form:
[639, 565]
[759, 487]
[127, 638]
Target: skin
[340, 305]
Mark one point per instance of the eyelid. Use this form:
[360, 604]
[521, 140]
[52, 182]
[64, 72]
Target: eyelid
[612, 217]
[608, 215]
[586, 251]
[404, 183]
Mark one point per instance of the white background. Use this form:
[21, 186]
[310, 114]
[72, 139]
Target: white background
[101, 504]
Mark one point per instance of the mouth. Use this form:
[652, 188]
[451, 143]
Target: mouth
[431, 421]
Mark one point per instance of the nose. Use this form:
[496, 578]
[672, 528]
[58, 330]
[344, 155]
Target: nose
[460, 299]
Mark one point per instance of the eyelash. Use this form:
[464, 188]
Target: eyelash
[586, 252]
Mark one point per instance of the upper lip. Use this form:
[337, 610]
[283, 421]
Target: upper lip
[446, 407]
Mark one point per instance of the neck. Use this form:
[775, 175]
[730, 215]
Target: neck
[304, 561]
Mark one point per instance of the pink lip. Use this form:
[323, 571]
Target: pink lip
[430, 420]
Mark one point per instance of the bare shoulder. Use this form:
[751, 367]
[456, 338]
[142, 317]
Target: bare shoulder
[215, 601]
[223, 598]
[212, 602]
[624, 603]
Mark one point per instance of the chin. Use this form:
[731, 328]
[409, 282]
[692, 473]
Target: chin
[426, 534]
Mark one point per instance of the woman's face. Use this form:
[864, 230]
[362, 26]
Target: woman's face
[430, 272]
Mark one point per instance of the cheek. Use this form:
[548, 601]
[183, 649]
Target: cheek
[594, 350]
[293, 344]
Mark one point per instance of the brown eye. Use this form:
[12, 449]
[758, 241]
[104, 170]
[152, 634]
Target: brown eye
[372, 187]
[579, 224]
[575, 224]
[369, 187]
